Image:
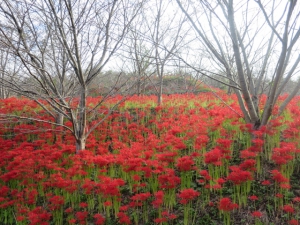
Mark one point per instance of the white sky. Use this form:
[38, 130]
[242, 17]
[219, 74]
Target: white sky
[194, 51]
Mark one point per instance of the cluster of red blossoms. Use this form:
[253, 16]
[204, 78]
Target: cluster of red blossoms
[141, 160]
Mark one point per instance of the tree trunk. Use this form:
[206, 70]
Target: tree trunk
[59, 119]
[80, 145]
[161, 84]
[80, 127]
[159, 95]
[139, 87]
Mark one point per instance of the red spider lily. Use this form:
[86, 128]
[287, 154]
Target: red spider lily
[81, 216]
[224, 143]
[246, 127]
[56, 202]
[256, 214]
[185, 163]
[226, 205]
[124, 208]
[205, 174]
[139, 198]
[168, 157]
[38, 216]
[246, 154]
[253, 197]
[238, 176]
[4, 191]
[88, 186]
[266, 182]
[168, 215]
[132, 164]
[72, 221]
[284, 154]
[136, 177]
[296, 199]
[293, 222]
[99, 219]
[159, 197]
[258, 142]
[285, 186]
[201, 142]
[83, 204]
[216, 187]
[187, 195]
[213, 157]
[69, 210]
[160, 220]
[278, 177]
[248, 164]
[123, 218]
[278, 195]
[288, 209]
[168, 180]
[107, 203]
[47, 167]
[20, 218]
[109, 186]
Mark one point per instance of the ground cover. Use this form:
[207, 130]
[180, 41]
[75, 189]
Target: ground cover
[192, 161]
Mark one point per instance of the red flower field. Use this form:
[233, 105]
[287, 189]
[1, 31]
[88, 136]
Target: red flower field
[192, 161]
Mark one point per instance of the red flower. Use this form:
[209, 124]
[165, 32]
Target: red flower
[138, 199]
[284, 154]
[278, 195]
[245, 154]
[205, 174]
[213, 157]
[160, 220]
[226, 205]
[266, 182]
[256, 214]
[238, 176]
[248, 164]
[187, 195]
[83, 204]
[296, 199]
[81, 216]
[253, 198]
[169, 216]
[285, 186]
[172, 216]
[99, 219]
[123, 218]
[72, 221]
[278, 177]
[69, 210]
[221, 181]
[168, 180]
[288, 209]
[185, 163]
[136, 177]
[293, 222]
[159, 197]
[38, 215]
[124, 208]
[20, 218]
[107, 203]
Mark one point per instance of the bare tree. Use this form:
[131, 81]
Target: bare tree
[63, 46]
[139, 53]
[246, 38]
[9, 69]
[168, 35]
[142, 62]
